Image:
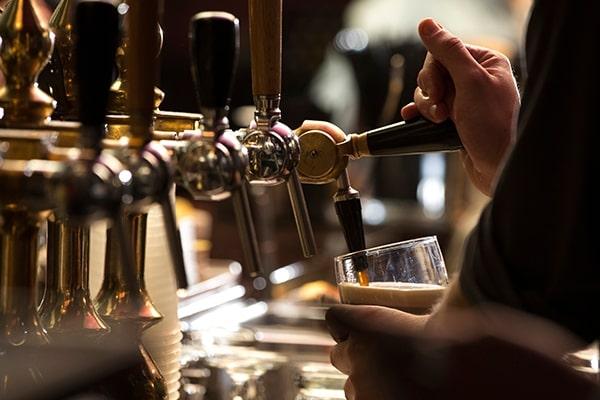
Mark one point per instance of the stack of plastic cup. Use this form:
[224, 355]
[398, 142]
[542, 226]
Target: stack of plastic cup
[163, 341]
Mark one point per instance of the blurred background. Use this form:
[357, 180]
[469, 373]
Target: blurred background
[353, 63]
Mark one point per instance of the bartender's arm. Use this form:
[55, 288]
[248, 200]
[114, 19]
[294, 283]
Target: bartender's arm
[517, 256]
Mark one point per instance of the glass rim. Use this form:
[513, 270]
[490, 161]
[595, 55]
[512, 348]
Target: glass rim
[384, 247]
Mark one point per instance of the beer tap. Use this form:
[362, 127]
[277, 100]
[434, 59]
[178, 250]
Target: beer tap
[73, 316]
[122, 301]
[62, 63]
[213, 168]
[323, 160]
[133, 105]
[168, 125]
[273, 149]
[25, 200]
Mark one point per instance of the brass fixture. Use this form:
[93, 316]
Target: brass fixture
[25, 201]
[322, 160]
[24, 50]
[72, 316]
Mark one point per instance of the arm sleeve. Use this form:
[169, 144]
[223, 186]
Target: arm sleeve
[536, 247]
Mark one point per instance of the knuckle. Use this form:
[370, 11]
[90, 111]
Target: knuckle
[453, 43]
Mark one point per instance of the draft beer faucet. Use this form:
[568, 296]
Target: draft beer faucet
[273, 149]
[214, 167]
[323, 160]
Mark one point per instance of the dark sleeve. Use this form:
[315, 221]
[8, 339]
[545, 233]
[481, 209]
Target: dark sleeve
[536, 245]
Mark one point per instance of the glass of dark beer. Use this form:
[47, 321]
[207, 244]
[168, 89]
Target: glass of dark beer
[409, 276]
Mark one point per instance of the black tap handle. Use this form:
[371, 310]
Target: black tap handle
[349, 213]
[97, 38]
[214, 46]
[416, 136]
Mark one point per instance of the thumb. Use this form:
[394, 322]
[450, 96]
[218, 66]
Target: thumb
[447, 49]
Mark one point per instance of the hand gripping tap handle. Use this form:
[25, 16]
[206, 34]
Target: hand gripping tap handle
[265, 45]
[214, 46]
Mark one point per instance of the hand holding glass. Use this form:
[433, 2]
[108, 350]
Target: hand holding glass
[409, 276]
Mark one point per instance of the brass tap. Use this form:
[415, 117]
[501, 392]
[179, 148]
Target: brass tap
[25, 48]
[165, 122]
[26, 196]
[323, 160]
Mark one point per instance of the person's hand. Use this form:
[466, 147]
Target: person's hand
[497, 354]
[336, 133]
[473, 86]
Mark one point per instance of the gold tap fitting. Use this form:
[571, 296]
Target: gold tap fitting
[25, 48]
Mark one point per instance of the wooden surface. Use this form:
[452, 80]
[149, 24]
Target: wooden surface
[265, 46]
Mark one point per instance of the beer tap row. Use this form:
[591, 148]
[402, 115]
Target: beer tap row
[93, 148]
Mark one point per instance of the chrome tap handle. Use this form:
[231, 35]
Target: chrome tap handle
[153, 182]
[174, 241]
[247, 232]
[97, 38]
[303, 224]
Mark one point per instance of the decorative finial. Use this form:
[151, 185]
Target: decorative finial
[118, 91]
[25, 48]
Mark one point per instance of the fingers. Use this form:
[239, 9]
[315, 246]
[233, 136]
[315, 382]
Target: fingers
[410, 111]
[334, 131]
[448, 50]
[341, 358]
[338, 330]
[346, 319]
[349, 390]
[433, 79]
[434, 111]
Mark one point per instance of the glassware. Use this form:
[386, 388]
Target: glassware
[409, 276]
[320, 381]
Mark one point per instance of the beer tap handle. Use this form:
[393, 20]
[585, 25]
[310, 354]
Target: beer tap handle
[266, 42]
[349, 213]
[214, 47]
[409, 137]
[97, 31]
[143, 37]
[97, 38]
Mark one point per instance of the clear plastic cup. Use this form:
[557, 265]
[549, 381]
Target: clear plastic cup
[409, 276]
